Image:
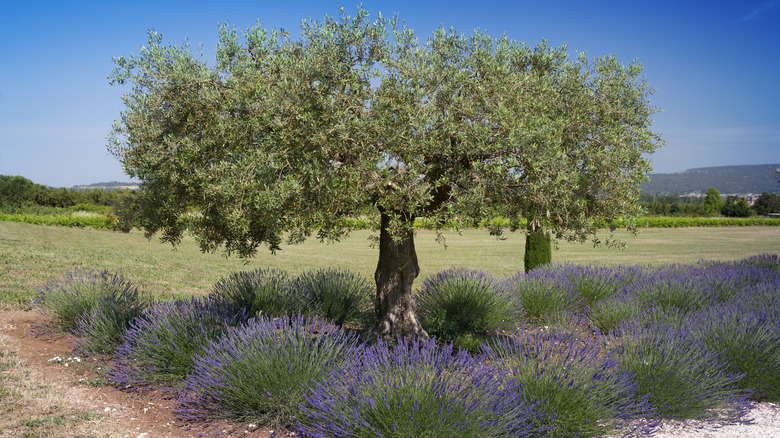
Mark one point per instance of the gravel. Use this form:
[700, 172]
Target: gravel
[765, 424]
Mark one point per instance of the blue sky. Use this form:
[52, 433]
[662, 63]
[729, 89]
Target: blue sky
[715, 65]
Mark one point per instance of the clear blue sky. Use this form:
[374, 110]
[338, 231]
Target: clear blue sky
[715, 65]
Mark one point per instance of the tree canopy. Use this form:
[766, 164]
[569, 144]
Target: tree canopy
[767, 203]
[713, 201]
[281, 138]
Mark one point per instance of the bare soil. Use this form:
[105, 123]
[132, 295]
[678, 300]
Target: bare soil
[106, 410]
[102, 410]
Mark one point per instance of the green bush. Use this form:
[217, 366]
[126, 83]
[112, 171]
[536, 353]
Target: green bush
[101, 329]
[538, 250]
[582, 390]
[91, 208]
[456, 302]
[680, 377]
[684, 222]
[98, 221]
[337, 295]
[264, 291]
[74, 294]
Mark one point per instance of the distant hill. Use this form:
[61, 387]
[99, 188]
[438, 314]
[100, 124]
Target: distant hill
[113, 185]
[727, 179]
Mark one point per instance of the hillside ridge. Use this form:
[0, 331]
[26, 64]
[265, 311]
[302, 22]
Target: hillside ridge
[742, 179]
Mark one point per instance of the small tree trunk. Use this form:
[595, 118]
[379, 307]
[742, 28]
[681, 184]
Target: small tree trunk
[395, 273]
[538, 249]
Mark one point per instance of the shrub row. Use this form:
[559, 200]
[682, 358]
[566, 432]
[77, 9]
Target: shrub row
[336, 295]
[96, 221]
[687, 222]
[684, 341]
[101, 220]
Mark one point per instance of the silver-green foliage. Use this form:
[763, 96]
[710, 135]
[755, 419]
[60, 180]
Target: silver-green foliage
[269, 292]
[73, 295]
[462, 301]
[281, 137]
[338, 295]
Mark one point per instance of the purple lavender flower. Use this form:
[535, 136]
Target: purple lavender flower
[681, 377]
[582, 389]
[748, 338]
[159, 346]
[259, 372]
[417, 388]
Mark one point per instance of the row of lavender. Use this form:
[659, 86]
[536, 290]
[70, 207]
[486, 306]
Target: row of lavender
[628, 346]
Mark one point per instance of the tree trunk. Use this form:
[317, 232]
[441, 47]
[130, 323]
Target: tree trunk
[538, 249]
[395, 273]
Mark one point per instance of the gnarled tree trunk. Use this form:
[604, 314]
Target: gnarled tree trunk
[395, 273]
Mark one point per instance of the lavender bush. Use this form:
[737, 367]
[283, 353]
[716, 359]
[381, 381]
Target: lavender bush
[582, 389]
[265, 291]
[680, 376]
[73, 295]
[595, 283]
[768, 262]
[675, 286]
[655, 314]
[685, 341]
[462, 301]
[724, 280]
[417, 389]
[543, 295]
[339, 296]
[259, 372]
[749, 340]
[159, 347]
[101, 329]
[608, 313]
[763, 297]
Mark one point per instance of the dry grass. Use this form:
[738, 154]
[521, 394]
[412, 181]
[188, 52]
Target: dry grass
[29, 408]
[34, 254]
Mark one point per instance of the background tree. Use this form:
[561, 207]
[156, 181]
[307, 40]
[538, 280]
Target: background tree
[16, 191]
[712, 202]
[736, 207]
[767, 203]
[281, 138]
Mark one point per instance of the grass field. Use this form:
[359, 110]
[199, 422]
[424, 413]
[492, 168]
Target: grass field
[31, 255]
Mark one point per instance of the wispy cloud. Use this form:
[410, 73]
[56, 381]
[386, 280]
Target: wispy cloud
[761, 10]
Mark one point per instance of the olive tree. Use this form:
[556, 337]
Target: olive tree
[578, 152]
[282, 138]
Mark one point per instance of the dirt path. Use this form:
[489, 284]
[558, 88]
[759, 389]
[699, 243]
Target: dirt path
[69, 392]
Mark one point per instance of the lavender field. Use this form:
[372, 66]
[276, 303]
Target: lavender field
[568, 350]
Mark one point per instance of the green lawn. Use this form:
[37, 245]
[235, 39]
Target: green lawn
[31, 255]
